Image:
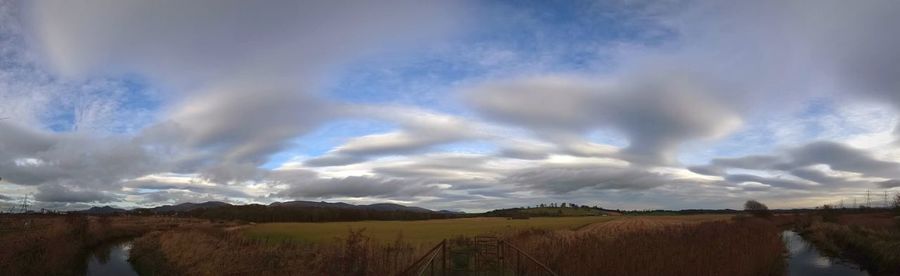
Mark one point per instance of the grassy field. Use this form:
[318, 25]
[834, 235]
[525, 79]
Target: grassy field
[422, 231]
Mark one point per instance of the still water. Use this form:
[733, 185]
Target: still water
[805, 260]
[110, 259]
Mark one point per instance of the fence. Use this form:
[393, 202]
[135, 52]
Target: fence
[480, 255]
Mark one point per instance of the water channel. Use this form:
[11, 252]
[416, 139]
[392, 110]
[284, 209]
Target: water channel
[806, 260]
[110, 259]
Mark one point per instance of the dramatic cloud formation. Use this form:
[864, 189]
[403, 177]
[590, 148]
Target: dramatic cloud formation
[656, 113]
[448, 105]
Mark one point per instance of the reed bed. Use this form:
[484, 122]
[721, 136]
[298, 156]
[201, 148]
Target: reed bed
[875, 248]
[58, 245]
[218, 252]
[747, 247]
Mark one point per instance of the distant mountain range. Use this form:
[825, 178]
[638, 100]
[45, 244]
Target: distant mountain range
[185, 207]
[376, 207]
[103, 210]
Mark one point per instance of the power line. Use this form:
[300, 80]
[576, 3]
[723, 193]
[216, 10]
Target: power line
[868, 194]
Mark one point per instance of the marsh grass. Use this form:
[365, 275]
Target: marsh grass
[58, 245]
[213, 251]
[747, 247]
[870, 242]
[422, 232]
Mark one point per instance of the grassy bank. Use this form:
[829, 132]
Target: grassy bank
[58, 245]
[872, 241]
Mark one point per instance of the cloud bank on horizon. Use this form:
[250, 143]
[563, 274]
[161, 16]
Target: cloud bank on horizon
[463, 105]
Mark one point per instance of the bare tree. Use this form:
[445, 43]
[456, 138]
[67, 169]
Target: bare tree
[757, 209]
[897, 204]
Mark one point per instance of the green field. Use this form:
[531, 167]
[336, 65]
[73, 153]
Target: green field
[422, 231]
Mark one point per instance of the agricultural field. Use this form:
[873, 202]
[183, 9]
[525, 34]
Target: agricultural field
[424, 231]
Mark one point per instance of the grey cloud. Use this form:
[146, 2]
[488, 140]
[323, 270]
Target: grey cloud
[707, 170]
[842, 157]
[249, 72]
[754, 186]
[178, 196]
[836, 155]
[782, 52]
[718, 166]
[38, 158]
[797, 161]
[889, 183]
[355, 186]
[190, 42]
[219, 190]
[419, 131]
[773, 181]
[333, 160]
[656, 111]
[569, 179]
[526, 154]
[60, 193]
[752, 162]
[443, 168]
[821, 177]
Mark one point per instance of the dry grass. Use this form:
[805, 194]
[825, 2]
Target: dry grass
[695, 245]
[660, 247]
[218, 252]
[871, 240]
[628, 224]
[878, 221]
[58, 245]
[425, 232]
[671, 245]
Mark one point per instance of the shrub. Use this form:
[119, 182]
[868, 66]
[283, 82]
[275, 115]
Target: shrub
[757, 209]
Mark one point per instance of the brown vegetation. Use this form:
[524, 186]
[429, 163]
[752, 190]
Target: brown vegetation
[644, 247]
[57, 245]
[217, 252]
[871, 240]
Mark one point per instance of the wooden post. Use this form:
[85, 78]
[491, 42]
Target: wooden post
[500, 252]
[444, 257]
[518, 263]
[475, 245]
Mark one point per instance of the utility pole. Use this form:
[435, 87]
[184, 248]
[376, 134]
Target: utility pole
[885, 200]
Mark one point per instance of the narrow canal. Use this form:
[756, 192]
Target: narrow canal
[110, 259]
[806, 260]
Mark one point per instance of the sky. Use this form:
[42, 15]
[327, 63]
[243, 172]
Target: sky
[456, 105]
